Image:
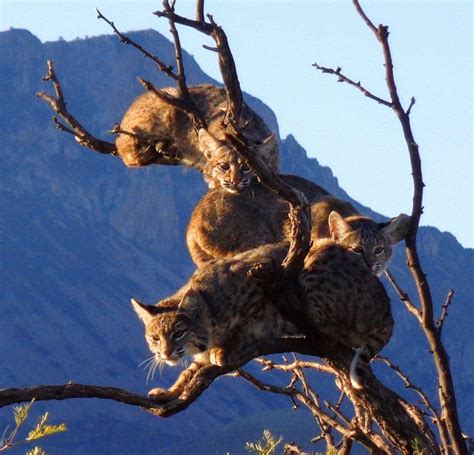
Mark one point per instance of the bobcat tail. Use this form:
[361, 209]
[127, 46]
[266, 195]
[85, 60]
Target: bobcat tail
[356, 379]
[365, 353]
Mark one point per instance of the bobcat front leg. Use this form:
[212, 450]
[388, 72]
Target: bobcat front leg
[163, 396]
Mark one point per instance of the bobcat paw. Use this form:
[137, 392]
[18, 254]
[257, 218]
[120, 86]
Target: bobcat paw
[161, 395]
[217, 357]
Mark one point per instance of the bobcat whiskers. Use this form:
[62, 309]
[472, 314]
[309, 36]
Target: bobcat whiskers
[151, 364]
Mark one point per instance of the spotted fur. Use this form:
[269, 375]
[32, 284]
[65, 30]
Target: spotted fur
[213, 318]
[162, 134]
[346, 301]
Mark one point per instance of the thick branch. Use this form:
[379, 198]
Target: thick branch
[202, 380]
[388, 410]
[72, 390]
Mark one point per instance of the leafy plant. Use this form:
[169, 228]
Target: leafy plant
[40, 430]
[266, 446]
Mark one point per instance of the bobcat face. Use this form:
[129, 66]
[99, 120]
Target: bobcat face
[367, 239]
[229, 170]
[225, 167]
[171, 332]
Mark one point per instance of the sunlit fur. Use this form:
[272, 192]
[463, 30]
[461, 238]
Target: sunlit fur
[228, 170]
[174, 333]
[225, 167]
[168, 131]
[205, 312]
[224, 224]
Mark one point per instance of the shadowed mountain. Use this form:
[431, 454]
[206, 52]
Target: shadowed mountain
[81, 233]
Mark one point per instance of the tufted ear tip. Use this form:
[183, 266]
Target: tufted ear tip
[397, 228]
[144, 312]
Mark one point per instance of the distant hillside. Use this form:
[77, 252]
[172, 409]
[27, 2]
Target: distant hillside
[81, 233]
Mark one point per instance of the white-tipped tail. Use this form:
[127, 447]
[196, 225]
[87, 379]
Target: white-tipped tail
[356, 380]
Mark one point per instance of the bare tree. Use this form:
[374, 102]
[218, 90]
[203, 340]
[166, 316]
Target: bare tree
[378, 417]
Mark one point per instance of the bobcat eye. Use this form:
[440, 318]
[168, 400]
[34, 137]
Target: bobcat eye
[224, 166]
[245, 168]
[155, 339]
[378, 250]
[357, 249]
[178, 334]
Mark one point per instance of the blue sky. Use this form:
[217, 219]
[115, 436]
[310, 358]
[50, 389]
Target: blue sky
[275, 43]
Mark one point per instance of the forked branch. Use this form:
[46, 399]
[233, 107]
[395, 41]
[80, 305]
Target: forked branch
[226, 59]
[59, 105]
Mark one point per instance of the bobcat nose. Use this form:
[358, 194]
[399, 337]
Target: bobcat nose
[166, 350]
[235, 176]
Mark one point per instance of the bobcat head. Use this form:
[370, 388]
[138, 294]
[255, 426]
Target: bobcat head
[225, 167]
[173, 327]
[370, 240]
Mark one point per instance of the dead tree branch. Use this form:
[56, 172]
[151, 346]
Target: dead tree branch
[343, 78]
[403, 296]
[317, 411]
[203, 380]
[425, 315]
[444, 314]
[226, 59]
[163, 67]
[59, 105]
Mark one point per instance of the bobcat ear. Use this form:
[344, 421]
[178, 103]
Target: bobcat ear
[338, 226]
[209, 143]
[144, 312]
[268, 151]
[396, 229]
[191, 304]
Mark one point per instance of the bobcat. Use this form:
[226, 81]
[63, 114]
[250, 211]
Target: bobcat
[347, 303]
[161, 129]
[214, 317]
[224, 224]
[339, 220]
[225, 167]
[223, 309]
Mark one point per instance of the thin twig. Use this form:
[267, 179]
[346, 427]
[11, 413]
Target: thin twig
[289, 367]
[410, 385]
[226, 60]
[403, 296]
[444, 314]
[343, 78]
[167, 69]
